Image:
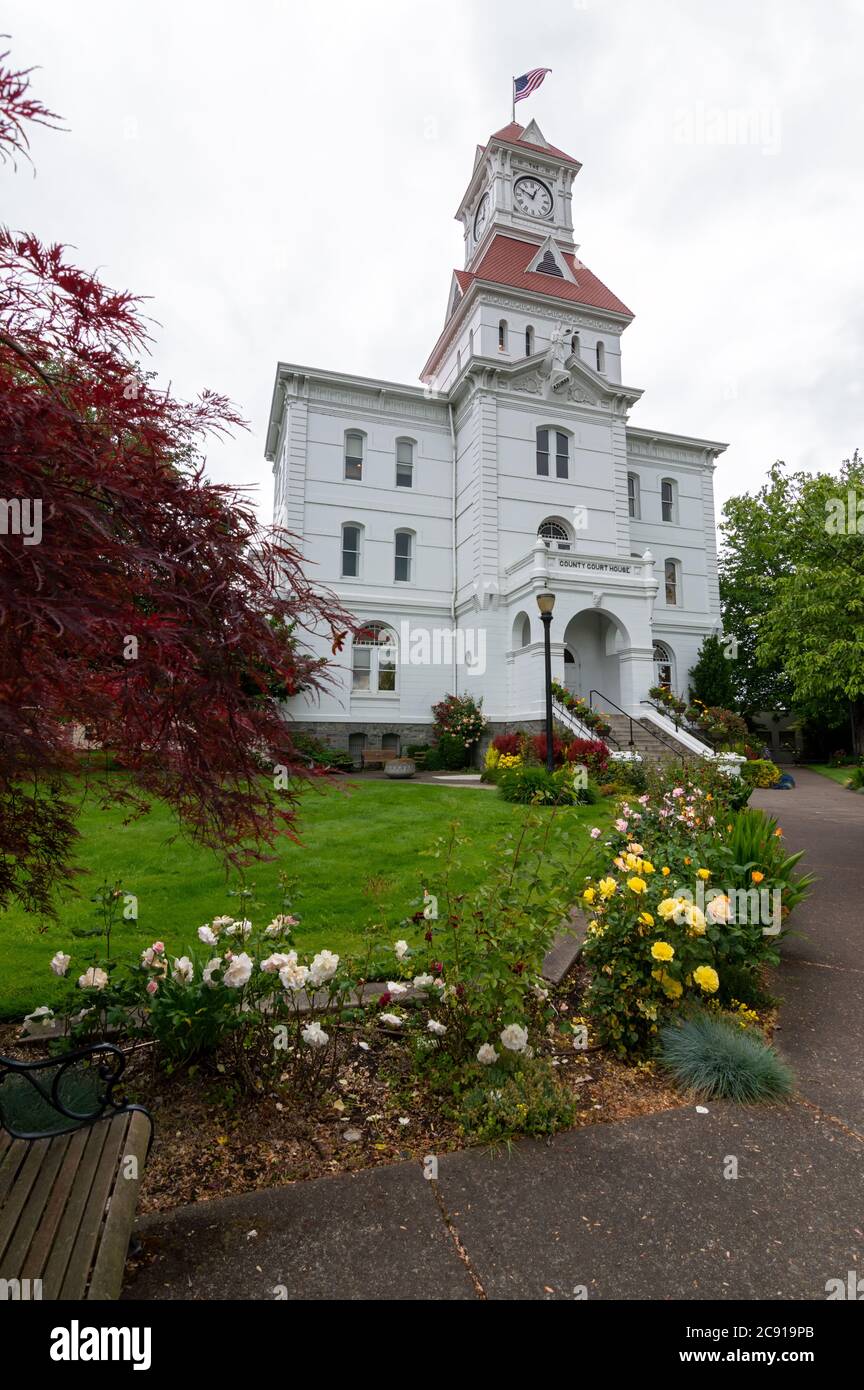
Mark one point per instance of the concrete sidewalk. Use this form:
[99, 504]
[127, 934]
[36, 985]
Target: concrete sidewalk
[635, 1210]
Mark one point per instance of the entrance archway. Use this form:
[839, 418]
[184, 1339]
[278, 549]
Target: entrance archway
[595, 639]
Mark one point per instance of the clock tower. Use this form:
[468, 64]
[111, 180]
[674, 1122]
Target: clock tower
[521, 185]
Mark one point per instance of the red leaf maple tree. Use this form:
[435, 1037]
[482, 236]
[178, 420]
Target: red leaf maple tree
[152, 609]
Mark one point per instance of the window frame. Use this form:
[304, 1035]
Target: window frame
[677, 601]
[374, 689]
[634, 498]
[529, 340]
[410, 557]
[353, 458]
[600, 356]
[503, 335]
[400, 463]
[672, 519]
[547, 453]
[353, 526]
[561, 543]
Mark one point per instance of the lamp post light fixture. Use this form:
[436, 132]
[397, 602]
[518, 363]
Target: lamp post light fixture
[546, 602]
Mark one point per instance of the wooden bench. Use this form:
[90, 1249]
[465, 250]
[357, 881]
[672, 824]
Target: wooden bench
[378, 756]
[71, 1162]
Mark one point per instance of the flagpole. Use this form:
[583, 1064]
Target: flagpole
[513, 99]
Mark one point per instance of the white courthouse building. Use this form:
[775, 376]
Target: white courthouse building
[437, 512]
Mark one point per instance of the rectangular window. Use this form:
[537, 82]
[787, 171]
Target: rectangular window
[671, 573]
[403, 557]
[667, 500]
[543, 453]
[354, 456]
[387, 672]
[350, 552]
[404, 463]
[633, 495]
[362, 669]
[562, 455]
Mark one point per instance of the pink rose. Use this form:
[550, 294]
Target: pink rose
[152, 986]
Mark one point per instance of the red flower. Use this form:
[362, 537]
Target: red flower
[385, 998]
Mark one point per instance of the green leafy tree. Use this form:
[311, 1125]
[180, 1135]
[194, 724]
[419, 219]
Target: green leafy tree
[814, 626]
[758, 549]
[711, 679]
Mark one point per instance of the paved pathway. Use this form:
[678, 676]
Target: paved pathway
[638, 1209]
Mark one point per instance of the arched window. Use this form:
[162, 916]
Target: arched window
[352, 537]
[354, 454]
[554, 535]
[356, 748]
[521, 631]
[662, 666]
[575, 346]
[672, 581]
[529, 341]
[601, 357]
[404, 557]
[502, 335]
[557, 440]
[390, 743]
[669, 499]
[404, 462]
[633, 504]
[374, 660]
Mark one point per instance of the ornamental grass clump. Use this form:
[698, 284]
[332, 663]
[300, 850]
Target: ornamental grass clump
[716, 1059]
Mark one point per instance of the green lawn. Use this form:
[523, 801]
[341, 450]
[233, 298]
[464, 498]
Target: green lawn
[837, 774]
[375, 830]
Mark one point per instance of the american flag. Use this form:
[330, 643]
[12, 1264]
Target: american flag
[529, 82]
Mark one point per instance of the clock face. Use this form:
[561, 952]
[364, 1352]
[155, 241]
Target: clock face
[532, 197]
[481, 216]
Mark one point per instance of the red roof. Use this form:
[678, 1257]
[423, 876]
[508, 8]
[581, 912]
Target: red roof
[505, 261]
[512, 135]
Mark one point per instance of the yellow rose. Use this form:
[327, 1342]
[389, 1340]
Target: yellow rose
[756, 876]
[707, 978]
[704, 873]
[589, 895]
[665, 871]
[694, 917]
[636, 885]
[668, 907]
[648, 867]
[607, 887]
[661, 950]
[646, 919]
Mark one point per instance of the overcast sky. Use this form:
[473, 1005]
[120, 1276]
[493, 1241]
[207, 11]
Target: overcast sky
[281, 178]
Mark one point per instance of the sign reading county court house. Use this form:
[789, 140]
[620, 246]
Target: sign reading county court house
[596, 566]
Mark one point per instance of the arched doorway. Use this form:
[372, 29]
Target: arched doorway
[571, 671]
[595, 639]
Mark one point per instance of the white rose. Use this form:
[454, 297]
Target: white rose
[396, 986]
[293, 976]
[487, 1054]
[184, 971]
[392, 1020]
[278, 961]
[439, 1029]
[238, 971]
[401, 949]
[220, 922]
[94, 978]
[207, 973]
[314, 1036]
[514, 1037]
[239, 929]
[207, 935]
[60, 963]
[423, 981]
[323, 968]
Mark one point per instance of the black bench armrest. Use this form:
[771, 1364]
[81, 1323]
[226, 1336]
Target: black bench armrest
[63, 1093]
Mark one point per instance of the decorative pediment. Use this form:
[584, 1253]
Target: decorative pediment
[548, 260]
[533, 135]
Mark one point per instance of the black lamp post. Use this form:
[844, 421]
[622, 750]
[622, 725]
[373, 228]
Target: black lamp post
[546, 602]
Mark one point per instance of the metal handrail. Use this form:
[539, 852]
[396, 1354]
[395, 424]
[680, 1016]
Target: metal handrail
[661, 738]
[709, 742]
[607, 738]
